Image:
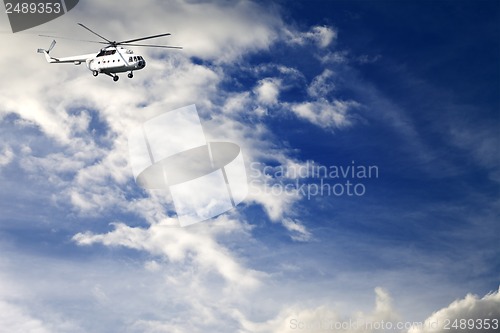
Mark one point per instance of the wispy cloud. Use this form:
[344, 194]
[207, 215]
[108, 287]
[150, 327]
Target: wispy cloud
[175, 244]
[322, 36]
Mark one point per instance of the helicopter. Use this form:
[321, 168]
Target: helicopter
[111, 59]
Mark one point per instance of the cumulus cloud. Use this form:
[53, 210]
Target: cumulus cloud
[471, 311]
[325, 318]
[267, 91]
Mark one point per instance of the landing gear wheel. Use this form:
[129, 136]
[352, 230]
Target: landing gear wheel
[95, 73]
[115, 78]
[130, 75]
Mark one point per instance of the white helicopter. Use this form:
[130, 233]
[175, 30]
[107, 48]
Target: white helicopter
[111, 59]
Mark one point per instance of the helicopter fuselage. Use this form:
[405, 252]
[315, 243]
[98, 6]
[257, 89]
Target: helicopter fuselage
[115, 60]
[110, 60]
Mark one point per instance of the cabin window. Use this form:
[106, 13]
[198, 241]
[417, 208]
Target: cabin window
[130, 59]
[135, 58]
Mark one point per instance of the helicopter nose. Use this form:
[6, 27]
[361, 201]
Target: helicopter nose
[142, 64]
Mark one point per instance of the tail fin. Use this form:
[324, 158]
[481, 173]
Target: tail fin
[46, 52]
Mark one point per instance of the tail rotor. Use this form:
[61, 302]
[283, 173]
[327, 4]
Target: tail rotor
[46, 53]
[50, 48]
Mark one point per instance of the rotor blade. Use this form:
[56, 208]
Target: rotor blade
[95, 33]
[160, 46]
[79, 40]
[51, 46]
[142, 38]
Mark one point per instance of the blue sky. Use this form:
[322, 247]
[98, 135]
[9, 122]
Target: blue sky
[409, 87]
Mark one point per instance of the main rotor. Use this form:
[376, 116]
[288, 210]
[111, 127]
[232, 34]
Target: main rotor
[129, 42]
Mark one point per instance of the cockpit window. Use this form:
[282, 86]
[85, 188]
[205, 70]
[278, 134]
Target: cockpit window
[106, 52]
[135, 58]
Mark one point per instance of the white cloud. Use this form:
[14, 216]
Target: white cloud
[480, 310]
[322, 84]
[215, 31]
[320, 110]
[322, 36]
[275, 200]
[326, 318]
[325, 114]
[336, 57]
[175, 244]
[298, 230]
[55, 163]
[267, 91]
